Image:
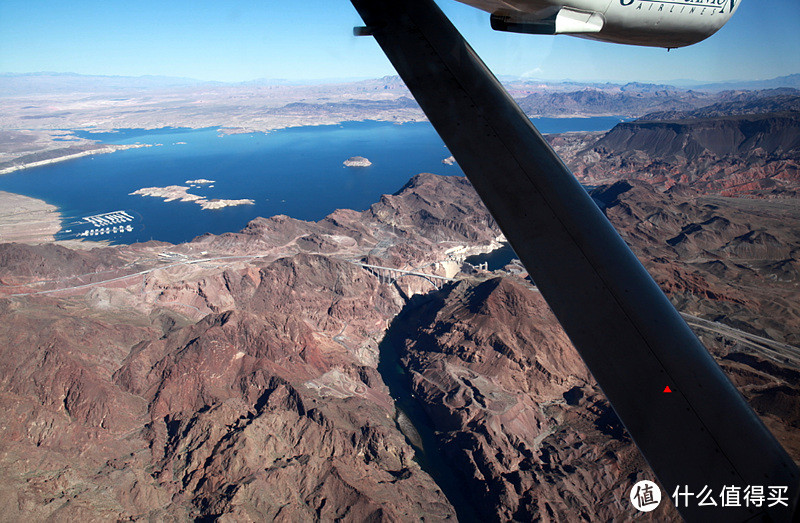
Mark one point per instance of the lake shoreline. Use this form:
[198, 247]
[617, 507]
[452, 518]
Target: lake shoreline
[27, 220]
[71, 155]
[227, 130]
[295, 172]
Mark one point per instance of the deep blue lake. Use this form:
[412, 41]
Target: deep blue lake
[297, 172]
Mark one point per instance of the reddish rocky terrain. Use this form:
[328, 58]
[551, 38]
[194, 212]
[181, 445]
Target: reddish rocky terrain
[270, 410]
[245, 389]
[518, 415]
[235, 376]
[736, 259]
[755, 151]
[516, 412]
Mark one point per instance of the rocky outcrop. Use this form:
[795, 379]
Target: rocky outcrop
[19, 261]
[269, 410]
[437, 211]
[251, 419]
[516, 410]
[419, 223]
[775, 134]
[754, 155]
[357, 161]
[738, 103]
[730, 259]
[628, 100]
[520, 419]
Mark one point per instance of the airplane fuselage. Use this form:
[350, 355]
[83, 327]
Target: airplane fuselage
[654, 23]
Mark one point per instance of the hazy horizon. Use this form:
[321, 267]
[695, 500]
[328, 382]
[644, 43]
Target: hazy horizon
[240, 42]
[794, 77]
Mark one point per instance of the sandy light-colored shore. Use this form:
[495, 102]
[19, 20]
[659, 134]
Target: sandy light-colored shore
[71, 156]
[27, 220]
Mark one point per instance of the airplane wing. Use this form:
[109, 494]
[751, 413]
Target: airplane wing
[632, 339]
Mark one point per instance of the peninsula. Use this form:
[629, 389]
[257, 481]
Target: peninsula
[27, 220]
[33, 161]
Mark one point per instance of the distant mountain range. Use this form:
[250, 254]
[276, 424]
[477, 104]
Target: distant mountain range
[792, 80]
[13, 84]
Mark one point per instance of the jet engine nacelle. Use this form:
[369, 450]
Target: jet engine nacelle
[654, 23]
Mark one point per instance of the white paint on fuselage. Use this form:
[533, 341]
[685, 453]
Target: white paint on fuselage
[656, 23]
[673, 23]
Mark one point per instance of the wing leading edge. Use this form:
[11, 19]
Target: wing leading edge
[632, 339]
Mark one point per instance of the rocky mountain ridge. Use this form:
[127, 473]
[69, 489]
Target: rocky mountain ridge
[245, 391]
[236, 377]
[749, 154]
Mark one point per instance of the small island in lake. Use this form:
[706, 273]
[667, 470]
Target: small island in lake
[357, 161]
[181, 193]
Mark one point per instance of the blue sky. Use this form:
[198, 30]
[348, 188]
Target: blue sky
[240, 40]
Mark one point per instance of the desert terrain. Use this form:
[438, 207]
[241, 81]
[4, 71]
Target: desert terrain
[27, 220]
[242, 377]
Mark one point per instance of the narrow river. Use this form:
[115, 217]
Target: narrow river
[412, 419]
